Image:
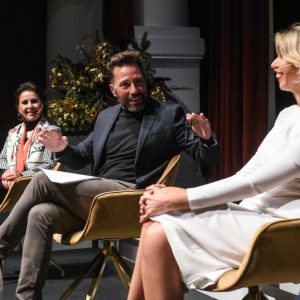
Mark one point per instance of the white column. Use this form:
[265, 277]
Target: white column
[67, 22]
[162, 13]
[176, 49]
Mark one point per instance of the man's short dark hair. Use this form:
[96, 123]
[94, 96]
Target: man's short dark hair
[128, 57]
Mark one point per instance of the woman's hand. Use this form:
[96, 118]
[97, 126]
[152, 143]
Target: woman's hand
[200, 125]
[8, 177]
[158, 199]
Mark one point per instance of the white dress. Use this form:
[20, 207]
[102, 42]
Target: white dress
[208, 241]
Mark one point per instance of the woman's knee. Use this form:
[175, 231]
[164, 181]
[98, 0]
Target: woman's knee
[154, 239]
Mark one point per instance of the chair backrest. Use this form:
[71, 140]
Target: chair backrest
[16, 190]
[115, 215]
[168, 177]
[57, 166]
[272, 257]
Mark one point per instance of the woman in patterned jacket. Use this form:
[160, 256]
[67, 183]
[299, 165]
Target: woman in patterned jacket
[21, 154]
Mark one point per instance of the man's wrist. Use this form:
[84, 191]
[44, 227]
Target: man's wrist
[209, 142]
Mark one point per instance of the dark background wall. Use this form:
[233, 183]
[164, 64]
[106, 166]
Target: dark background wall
[22, 52]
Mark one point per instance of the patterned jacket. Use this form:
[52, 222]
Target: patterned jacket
[38, 157]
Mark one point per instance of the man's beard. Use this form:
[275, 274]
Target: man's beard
[138, 108]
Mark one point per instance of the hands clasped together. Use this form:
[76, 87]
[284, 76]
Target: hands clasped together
[159, 199]
[8, 178]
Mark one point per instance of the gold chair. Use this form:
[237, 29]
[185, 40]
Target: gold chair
[112, 216]
[16, 190]
[13, 195]
[272, 257]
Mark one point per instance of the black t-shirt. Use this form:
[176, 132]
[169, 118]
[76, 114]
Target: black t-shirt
[120, 150]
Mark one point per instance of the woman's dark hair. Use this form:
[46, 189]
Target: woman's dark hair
[124, 58]
[28, 86]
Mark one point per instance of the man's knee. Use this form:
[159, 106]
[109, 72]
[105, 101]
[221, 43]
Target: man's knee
[40, 176]
[41, 183]
[40, 214]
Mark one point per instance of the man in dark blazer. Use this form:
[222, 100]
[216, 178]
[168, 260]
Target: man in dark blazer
[129, 148]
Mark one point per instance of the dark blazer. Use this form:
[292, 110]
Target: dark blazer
[162, 136]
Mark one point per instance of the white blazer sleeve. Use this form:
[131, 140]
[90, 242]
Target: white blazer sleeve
[237, 187]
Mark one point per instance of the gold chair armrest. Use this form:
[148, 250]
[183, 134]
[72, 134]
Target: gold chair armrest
[14, 193]
[168, 177]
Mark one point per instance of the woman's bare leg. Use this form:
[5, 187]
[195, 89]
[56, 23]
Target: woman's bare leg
[158, 268]
[136, 291]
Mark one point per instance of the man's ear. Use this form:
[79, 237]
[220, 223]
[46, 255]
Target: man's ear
[113, 90]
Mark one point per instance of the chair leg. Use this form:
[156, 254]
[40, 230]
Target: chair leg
[20, 247]
[90, 267]
[99, 263]
[96, 280]
[123, 270]
[57, 266]
[254, 293]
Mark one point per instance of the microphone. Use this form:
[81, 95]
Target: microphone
[283, 67]
[40, 110]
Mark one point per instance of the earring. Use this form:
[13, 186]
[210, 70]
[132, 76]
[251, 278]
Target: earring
[20, 117]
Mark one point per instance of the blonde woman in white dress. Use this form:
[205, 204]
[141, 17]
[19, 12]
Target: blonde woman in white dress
[191, 237]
